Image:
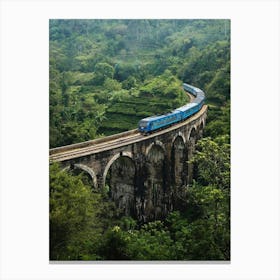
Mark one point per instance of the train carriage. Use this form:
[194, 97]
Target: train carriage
[157, 122]
[151, 124]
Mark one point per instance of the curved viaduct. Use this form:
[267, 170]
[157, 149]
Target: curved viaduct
[143, 172]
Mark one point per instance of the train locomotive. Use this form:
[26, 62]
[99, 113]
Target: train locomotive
[154, 123]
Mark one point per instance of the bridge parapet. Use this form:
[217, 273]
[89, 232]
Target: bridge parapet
[92, 142]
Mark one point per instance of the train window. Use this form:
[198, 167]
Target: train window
[143, 123]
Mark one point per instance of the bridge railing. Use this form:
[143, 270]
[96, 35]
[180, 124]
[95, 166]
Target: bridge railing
[91, 142]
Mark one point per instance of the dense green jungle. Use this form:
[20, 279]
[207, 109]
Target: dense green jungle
[106, 75]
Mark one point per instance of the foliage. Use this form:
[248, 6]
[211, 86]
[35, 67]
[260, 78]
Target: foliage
[218, 121]
[102, 72]
[176, 238]
[213, 162]
[78, 216]
[151, 242]
[73, 215]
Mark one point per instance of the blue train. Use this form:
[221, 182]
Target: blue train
[151, 124]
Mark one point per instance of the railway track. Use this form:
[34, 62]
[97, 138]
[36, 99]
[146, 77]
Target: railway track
[115, 143]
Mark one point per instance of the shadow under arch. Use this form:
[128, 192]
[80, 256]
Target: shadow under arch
[192, 133]
[119, 177]
[192, 139]
[178, 161]
[200, 129]
[154, 195]
[180, 134]
[155, 143]
[202, 124]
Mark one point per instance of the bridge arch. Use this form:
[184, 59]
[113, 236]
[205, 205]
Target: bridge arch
[180, 134]
[155, 143]
[119, 177]
[192, 133]
[85, 168]
[178, 141]
[112, 160]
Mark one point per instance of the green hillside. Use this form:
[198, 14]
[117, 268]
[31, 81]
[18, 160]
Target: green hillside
[105, 75]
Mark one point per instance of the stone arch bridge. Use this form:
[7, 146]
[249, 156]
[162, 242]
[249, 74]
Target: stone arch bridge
[142, 172]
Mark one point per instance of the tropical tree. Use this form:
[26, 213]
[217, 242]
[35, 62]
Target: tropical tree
[212, 159]
[74, 224]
